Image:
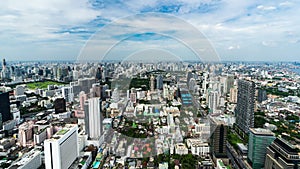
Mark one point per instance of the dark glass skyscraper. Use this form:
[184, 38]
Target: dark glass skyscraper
[218, 138]
[244, 110]
[5, 107]
[262, 95]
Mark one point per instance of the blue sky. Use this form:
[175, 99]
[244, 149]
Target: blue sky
[238, 30]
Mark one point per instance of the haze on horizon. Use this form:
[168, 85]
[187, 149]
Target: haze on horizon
[239, 31]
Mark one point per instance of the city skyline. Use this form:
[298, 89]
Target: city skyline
[58, 30]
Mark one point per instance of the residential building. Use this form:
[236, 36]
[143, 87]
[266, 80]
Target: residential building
[244, 110]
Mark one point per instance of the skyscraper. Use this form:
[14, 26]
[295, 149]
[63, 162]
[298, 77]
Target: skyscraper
[213, 101]
[5, 107]
[218, 131]
[67, 93]
[233, 94]
[282, 155]
[152, 82]
[245, 105]
[259, 140]
[93, 118]
[262, 95]
[229, 83]
[82, 98]
[159, 82]
[62, 149]
[60, 105]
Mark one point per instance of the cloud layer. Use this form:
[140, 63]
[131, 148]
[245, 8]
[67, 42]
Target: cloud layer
[55, 29]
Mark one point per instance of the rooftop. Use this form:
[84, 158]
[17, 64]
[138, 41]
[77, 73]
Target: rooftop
[261, 131]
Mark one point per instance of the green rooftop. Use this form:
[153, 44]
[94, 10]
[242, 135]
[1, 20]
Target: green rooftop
[62, 131]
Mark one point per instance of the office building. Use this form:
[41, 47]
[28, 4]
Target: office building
[93, 118]
[282, 155]
[213, 101]
[233, 94]
[61, 150]
[19, 90]
[29, 160]
[95, 91]
[159, 82]
[25, 136]
[229, 83]
[5, 107]
[82, 98]
[259, 140]
[152, 83]
[244, 110]
[218, 138]
[67, 93]
[262, 95]
[60, 105]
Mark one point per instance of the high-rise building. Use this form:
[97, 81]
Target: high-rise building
[61, 150]
[259, 140]
[282, 155]
[93, 118]
[159, 82]
[82, 98]
[152, 83]
[5, 107]
[67, 93]
[99, 73]
[218, 130]
[19, 90]
[233, 94]
[262, 95]
[213, 101]
[26, 134]
[95, 91]
[244, 110]
[229, 83]
[60, 105]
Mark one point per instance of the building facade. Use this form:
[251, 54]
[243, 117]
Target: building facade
[245, 105]
[259, 140]
[282, 155]
[61, 150]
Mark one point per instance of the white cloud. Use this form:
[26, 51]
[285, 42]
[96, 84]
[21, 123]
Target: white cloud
[233, 47]
[226, 22]
[40, 19]
[269, 43]
[266, 8]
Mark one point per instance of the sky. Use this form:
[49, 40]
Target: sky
[233, 30]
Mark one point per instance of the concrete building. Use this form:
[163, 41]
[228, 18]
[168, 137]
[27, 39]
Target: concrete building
[259, 140]
[19, 90]
[67, 93]
[62, 149]
[181, 149]
[282, 155]
[198, 147]
[213, 101]
[25, 136]
[233, 94]
[245, 105]
[29, 160]
[82, 98]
